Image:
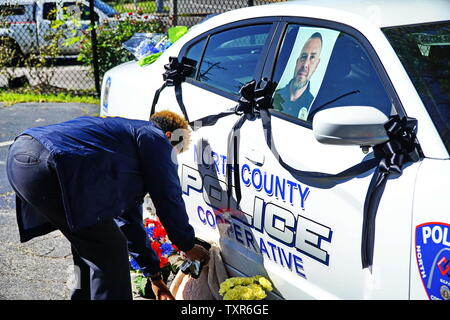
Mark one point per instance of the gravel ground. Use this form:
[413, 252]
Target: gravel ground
[36, 270]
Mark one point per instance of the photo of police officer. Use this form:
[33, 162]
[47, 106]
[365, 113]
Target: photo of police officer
[295, 98]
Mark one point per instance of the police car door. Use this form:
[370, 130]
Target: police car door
[309, 235]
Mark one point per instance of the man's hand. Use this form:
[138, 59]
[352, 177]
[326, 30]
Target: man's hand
[198, 253]
[161, 291]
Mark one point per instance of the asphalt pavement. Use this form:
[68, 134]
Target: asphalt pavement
[40, 268]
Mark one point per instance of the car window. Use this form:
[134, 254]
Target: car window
[231, 57]
[79, 10]
[194, 52]
[49, 11]
[16, 13]
[11, 10]
[424, 51]
[319, 68]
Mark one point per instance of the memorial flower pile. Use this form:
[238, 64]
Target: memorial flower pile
[168, 253]
[161, 244]
[245, 288]
[149, 46]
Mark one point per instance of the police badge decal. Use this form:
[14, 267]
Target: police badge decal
[433, 258]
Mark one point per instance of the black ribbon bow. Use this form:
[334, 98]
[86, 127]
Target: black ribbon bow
[402, 147]
[176, 73]
[246, 100]
[253, 99]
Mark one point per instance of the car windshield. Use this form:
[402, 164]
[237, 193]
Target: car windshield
[424, 51]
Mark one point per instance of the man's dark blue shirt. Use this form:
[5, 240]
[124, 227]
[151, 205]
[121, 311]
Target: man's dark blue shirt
[282, 102]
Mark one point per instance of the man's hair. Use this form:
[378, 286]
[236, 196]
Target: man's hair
[177, 125]
[317, 35]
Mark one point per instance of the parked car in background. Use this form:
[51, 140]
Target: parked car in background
[341, 71]
[27, 24]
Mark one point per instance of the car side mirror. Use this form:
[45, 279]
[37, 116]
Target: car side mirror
[351, 125]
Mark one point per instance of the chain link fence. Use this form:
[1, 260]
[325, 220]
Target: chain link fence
[49, 46]
[183, 12]
[39, 47]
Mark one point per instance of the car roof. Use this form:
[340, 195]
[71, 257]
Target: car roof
[356, 13]
[386, 13]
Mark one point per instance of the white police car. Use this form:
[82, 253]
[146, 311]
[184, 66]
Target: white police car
[339, 170]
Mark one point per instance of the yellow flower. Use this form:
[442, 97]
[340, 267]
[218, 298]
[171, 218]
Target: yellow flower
[225, 286]
[244, 293]
[245, 288]
[257, 292]
[232, 294]
[266, 284]
[242, 281]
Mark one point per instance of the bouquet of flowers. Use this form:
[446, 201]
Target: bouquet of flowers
[169, 256]
[167, 252]
[245, 288]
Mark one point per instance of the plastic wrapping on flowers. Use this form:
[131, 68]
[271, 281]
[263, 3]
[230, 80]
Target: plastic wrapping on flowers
[147, 47]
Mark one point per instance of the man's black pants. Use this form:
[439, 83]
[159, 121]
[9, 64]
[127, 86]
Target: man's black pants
[99, 251]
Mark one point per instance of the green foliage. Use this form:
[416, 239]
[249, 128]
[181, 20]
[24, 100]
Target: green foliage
[146, 6]
[140, 284]
[110, 37]
[9, 98]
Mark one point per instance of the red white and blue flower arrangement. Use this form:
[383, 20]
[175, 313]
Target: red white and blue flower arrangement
[169, 256]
